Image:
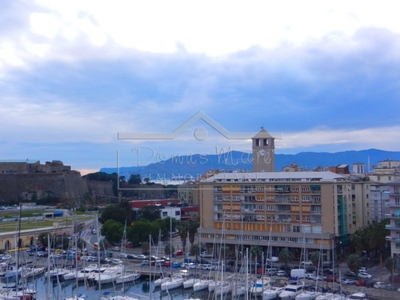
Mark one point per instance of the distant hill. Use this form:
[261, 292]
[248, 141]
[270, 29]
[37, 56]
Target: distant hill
[198, 164]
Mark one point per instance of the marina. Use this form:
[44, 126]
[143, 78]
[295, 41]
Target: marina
[60, 284]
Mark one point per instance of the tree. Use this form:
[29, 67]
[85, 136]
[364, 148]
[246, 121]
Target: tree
[112, 231]
[195, 250]
[140, 232]
[182, 228]
[113, 212]
[390, 265]
[42, 239]
[149, 212]
[193, 225]
[255, 252]
[135, 179]
[145, 247]
[81, 244]
[169, 249]
[315, 258]
[354, 263]
[285, 256]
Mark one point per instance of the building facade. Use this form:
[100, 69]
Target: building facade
[301, 211]
[394, 216]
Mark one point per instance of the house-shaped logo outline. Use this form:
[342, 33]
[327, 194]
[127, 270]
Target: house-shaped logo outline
[184, 126]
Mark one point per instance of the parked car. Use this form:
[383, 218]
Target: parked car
[176, 265]
[285, 268]
[273, 259]
[306, 263]
[123, 255]
[361, 282]
[281, 273]
[363, 269]
[332, 278]
[116, 261]
[167, 263]
[128, 245]
[179, 253]
[379, 285]
[328, 271]
[41, 254]
[348, 281]
[370, 283]
[115, 248]
[350, 274]
[394, 278]
[364, 275]
[311, 269]
[145, 262]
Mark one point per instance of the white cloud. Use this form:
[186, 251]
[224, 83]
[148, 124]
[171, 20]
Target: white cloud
[385, 138]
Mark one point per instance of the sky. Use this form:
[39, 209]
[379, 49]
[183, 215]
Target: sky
[319, 76]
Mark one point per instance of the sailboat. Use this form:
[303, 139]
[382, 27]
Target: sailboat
[126, 277]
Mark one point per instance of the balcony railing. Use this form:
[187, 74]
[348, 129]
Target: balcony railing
[391, 227]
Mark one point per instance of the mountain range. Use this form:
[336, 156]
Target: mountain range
[194, 166]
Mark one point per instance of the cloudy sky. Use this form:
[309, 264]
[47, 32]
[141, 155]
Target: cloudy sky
[320, 75]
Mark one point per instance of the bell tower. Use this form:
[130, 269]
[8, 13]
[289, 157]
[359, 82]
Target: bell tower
[263, 152]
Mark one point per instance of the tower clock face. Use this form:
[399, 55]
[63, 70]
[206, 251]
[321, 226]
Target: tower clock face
[261, 152]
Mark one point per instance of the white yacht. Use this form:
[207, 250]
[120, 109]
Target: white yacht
[70, 275]
[32, 272]
[260, 285]
[109, 275]
[161, 280]
[272, 293]
[291, 291]
[202, 284]
[330, 296]
[127, 277]
[358, 295]
[175, 282]
[56, 273]
[223, 288]
[213, 284]
[189, 283]
[308, 295]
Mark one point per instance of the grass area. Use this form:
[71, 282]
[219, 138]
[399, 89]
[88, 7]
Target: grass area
[24, 213]
[33, 224]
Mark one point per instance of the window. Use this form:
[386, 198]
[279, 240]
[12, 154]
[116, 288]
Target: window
[296, 228]
[306, 228]
[177, 213]
[164, 214]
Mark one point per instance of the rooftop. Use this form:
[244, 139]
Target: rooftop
[326, 176]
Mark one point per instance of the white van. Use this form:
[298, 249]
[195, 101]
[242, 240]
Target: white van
[298, 273]
[271, 271]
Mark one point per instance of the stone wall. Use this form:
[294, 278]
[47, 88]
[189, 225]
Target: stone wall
[23, 187]
[101, 188]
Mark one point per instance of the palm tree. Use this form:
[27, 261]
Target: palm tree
[145, 247]
[193, 224]
[182, 229]
[169, 249]
[354, 263]
[315, 258]
[390, 265]
[255, 252]
[285, 256]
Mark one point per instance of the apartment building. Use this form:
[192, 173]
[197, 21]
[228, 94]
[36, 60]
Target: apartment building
[394, 216]
[301, 211]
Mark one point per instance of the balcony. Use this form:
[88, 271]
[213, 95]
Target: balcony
[391, 227]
